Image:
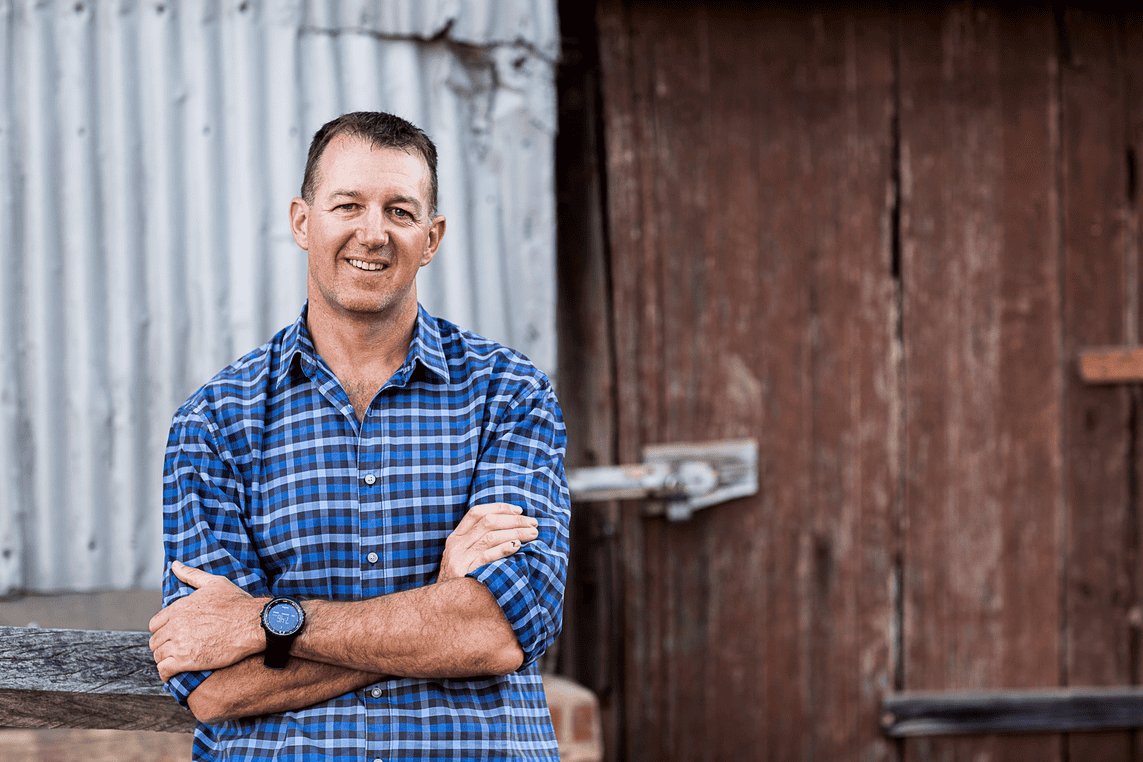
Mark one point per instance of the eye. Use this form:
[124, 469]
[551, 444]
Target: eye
[348, 207]
[401, 213]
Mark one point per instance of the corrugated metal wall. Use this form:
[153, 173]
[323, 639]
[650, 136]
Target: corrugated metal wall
[148, 154]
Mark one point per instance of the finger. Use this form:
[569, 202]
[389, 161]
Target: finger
[196, 578]
[503, 550]
[478, 512]
[499, 521]
[474, 559]
[475, 542]
[167, 668]
[498, 538]
[158, 620]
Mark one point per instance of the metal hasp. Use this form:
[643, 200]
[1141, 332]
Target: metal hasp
[679, 478]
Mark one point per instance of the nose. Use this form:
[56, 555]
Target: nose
[371, 232]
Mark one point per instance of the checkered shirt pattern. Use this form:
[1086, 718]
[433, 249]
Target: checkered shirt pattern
[270, 480]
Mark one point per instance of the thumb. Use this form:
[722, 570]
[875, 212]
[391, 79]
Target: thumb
[196, 578]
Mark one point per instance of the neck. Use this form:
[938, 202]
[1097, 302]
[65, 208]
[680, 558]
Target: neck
[361, 348]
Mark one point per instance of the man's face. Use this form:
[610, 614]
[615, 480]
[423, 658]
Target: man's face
[368, 231]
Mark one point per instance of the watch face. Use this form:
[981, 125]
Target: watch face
[283, 618]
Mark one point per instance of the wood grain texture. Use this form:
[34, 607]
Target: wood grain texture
[593, 625]
[1131, 45]
[982, 361]
[945, 503]
[1099, 296]
[83, 679]
[748, 185]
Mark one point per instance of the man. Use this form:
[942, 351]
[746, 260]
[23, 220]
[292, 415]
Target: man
[365, 518]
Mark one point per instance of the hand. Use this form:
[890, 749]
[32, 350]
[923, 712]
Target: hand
[487, 533]
[217, 625]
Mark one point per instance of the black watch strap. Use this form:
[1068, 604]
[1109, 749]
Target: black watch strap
[282, 620]
[277, 654]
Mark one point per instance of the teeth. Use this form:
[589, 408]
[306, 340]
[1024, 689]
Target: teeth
[366, 265]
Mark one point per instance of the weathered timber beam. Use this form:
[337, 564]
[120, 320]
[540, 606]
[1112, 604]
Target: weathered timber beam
[1111, 365]
[83, 679]
[1062, 710]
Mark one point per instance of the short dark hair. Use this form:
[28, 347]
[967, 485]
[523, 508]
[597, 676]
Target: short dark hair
[381, 130]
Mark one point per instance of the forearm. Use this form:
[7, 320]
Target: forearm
[248, 688]
[450, 629]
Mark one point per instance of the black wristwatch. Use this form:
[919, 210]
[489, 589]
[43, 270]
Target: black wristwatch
[282, 619]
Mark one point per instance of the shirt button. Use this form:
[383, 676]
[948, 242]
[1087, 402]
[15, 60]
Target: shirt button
[376, 692]
[371, 558]
[370, 478]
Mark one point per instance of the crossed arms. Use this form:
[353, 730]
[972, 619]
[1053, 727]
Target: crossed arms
[454, 628]
[259, 531]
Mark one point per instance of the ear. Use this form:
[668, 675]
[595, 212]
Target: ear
[299, 222]
[436, 233]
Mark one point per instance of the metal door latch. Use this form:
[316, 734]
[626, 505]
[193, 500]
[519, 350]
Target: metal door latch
[677, 479]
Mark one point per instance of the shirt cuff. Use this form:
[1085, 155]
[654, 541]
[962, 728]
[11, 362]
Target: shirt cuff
[181, 685]
[534, 625]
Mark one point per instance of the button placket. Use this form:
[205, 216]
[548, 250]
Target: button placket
[370, 480]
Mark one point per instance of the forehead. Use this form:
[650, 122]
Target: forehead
[352, 164]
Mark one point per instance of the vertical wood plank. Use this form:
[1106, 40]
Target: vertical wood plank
[846, 109]
[1097, 424]
[593, 626]
[623, 140]
[1132, 57]
[982, 359]
[681, 114]
[727, 384]
[748, 194]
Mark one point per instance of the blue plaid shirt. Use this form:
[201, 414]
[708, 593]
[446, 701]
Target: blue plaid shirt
[270, 479]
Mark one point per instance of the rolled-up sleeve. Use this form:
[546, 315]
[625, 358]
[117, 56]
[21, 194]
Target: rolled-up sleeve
[202, 519]
[522, 464]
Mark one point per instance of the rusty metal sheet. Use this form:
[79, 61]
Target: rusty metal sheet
[148, 155]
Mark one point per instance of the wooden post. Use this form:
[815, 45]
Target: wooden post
[83, 679]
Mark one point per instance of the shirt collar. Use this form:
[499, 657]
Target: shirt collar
[426, 349]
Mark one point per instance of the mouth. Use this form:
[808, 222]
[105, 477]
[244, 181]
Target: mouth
[361, 264]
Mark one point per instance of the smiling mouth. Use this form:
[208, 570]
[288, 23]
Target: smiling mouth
[367, 266]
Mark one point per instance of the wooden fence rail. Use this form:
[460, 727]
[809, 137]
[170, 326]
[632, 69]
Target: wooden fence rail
[1058, 710]
[83, 679]
[106, 680]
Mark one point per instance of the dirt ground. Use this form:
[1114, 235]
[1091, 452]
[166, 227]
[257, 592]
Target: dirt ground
[93, 746]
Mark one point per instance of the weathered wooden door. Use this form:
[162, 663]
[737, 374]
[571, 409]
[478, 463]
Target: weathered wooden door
[874, 240]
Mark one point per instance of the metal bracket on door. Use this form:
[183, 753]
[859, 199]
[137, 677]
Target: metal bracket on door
[677, 479]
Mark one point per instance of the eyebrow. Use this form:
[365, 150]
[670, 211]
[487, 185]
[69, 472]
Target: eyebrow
[347, 193]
